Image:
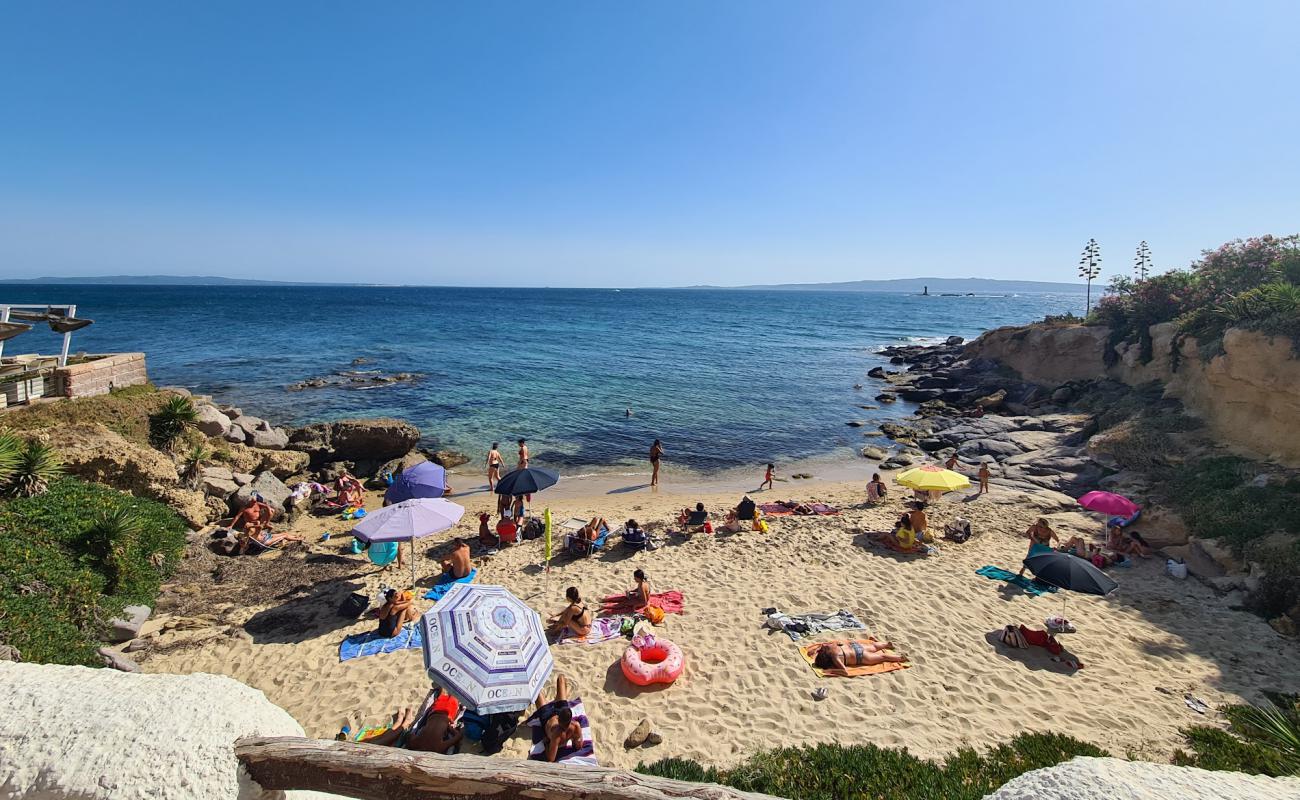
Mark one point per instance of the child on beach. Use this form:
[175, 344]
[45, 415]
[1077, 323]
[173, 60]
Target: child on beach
[768, 477]
[984, 477]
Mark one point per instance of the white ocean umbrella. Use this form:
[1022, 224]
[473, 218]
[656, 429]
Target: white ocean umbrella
[487, 648]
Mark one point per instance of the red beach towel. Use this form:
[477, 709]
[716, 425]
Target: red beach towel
[671, 602]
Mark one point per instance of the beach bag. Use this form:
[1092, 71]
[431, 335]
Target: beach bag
[1176, 569]
[498, 729]
[354, 606]
[533, 529]
[760, 525]
[1011, 637]
[655, 614]
[225, 542]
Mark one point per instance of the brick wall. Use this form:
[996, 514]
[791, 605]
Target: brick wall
[100, 374]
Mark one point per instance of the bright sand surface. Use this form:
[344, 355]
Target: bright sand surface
[745, 688]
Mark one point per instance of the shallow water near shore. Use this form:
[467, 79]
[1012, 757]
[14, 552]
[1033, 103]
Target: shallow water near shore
[724, 378]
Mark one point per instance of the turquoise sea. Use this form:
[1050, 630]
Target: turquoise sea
[722, 377]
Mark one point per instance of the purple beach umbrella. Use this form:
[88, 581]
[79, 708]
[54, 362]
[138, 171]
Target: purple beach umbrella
[425, 479]
[408, 521]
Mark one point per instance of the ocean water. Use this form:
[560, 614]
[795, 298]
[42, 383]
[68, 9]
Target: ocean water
[724, 378]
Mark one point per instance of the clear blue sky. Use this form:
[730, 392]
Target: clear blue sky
[656, 143]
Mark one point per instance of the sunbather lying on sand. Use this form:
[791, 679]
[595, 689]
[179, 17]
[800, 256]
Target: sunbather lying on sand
[591, 531]
[575, 617]
[834, 658]
[253, 524]
[1126, 541]
[397, 610]
[560, 728]
[434, 731]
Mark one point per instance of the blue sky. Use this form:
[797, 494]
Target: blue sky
[616, 144]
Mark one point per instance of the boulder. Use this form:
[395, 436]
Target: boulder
[94, 734]
[855, 423]
[245, 478]
[235, 434]
[267, 438]
[10, 653]
[115, 660]
[1087, 778]
[190, 505]
[931, 444]
[875, 453]
[271, 488]
[218, 487]
[886, 398]
[127, 627]
[249, 422]
[1283, 625]
[402, 464]
[448, 458]
[210, 421]
[954, 341]
[876, 372]
[218, 473]
[920, 395]
[1162, 528]
[377, 440]
[992, 400]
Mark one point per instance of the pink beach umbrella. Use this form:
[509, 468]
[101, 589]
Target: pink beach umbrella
[1109, 503]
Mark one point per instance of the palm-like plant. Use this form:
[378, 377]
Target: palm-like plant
[107, 539]
[11, 453]
[38, 465]
[1276, 728]
[194, 462]
[169, 422]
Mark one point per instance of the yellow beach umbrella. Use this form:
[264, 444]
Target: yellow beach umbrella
[931, 478]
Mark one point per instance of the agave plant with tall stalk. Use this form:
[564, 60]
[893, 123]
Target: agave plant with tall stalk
[38, 466]
[168, 423]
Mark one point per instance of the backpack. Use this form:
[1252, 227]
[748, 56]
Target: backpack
[354, 606]
[533, 529]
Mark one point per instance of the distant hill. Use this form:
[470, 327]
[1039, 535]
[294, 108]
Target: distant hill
[918, 285]
[148, 280]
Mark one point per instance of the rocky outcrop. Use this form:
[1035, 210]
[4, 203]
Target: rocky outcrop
[92, 452]
[97, 734]
[361, 441]
[271, 489]
[1249, 395]
[1086, 778]
[284, 463]
[210, 421]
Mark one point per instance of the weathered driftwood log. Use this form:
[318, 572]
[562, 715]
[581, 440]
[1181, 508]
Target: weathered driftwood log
[371, 772]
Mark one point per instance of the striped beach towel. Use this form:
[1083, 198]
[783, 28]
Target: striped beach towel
[604, 629]
[583, 756]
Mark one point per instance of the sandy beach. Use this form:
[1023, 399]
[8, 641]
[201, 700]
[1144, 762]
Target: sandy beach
[745, 688]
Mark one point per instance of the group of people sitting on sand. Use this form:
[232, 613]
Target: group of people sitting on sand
[576, 617]
[1121, 544]
[913, 527]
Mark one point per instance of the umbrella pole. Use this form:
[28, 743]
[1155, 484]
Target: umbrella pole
[413, 565]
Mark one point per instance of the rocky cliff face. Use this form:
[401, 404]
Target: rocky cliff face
[1249, 395]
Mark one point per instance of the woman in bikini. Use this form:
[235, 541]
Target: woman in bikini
[494, 463]
[640, 594]
[1040, 536]
[656, 453]
[835, 658]
[575, 617]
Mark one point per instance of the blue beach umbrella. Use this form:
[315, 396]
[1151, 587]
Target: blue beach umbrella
[486, 647]
[528, 480]
[425, 479]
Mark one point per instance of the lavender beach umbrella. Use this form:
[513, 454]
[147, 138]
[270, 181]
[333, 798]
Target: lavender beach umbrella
[486, 647]
[407, 521]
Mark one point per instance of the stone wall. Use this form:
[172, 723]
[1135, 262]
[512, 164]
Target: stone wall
[1249, 395]
[100, 374]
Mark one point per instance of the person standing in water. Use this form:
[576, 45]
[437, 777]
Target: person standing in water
[656, 453]
[523, 454]
[494, 463]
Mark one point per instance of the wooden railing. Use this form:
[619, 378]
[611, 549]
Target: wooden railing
[371, 772]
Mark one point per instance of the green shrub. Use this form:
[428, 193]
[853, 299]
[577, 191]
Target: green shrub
[11, 453]
[1259, 740]
[56, 588]
[867, 771]
[38, 465]
[168, 423]
[124, 411]
[1214, 497]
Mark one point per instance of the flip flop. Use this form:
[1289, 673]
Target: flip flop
[1196, 704]
[820, 693]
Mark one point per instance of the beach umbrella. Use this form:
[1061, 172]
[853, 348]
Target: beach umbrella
[1071, 573]
[425, 479]
[407, 521]
[486, 647]
[1109, 503]
[528, 480]
[932, 478]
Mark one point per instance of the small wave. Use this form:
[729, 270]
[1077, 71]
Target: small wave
[604, 475]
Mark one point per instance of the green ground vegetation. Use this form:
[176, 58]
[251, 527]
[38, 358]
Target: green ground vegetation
[832, 772]
[72, 558]
[125, 411]
[1262, 740]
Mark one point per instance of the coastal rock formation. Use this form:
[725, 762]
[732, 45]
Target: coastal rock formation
[1249, 394]
[448, 458]
[1086, 778]
[210, 421]
[92, 452]
[354, 379]
[271, 488]
[243, 459]
[358, 440]
[97, 734]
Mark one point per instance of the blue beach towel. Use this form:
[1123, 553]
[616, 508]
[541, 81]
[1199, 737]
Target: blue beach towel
[445, 582]
[410, 637]
[999, 574]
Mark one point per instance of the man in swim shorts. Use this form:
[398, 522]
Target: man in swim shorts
[835, 658]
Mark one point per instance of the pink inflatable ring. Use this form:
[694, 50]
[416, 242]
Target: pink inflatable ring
[660, 662]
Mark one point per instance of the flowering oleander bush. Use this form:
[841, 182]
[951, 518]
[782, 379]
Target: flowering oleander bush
[1250, 283]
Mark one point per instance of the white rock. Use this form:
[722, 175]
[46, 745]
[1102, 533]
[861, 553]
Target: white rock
[1086, 778]
[94, 734]
[211, 422]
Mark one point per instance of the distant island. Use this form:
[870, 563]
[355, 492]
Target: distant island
[919, 285]
[148, 280]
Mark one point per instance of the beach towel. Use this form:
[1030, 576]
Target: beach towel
[410, 637]
[445, 582]
[583, 756]
[999, 574]
[889, 541]
[854, 672]
[671, 602]
[777, 509]
[603, 629]
[825, 510]
[798, 626]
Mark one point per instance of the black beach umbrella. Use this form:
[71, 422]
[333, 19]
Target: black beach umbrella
[528, 480]
[1071, 573]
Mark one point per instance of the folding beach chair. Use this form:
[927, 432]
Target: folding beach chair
[637, 539]
[583, 547]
